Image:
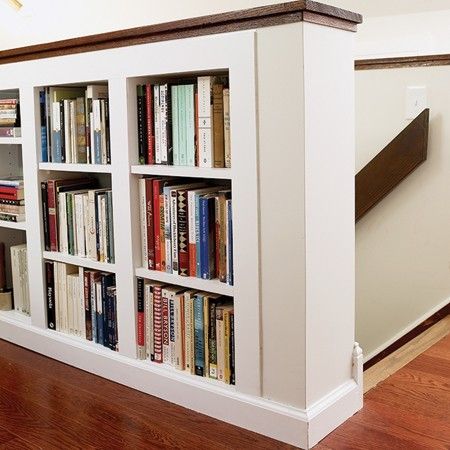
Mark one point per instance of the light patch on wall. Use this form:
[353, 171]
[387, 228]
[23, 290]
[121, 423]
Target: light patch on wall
[15, 4]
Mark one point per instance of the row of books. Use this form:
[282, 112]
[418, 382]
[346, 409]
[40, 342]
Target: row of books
[82, 303]
[19, 270]
[9, 113]
[185, 123]
[78, 218]
[12, 199]
[186, 228]
[186, 329]
[75, 124]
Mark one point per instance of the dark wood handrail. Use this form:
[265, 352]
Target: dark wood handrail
[392, 165]
[262, 16]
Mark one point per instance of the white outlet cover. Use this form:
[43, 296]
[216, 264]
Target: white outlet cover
[416, 101]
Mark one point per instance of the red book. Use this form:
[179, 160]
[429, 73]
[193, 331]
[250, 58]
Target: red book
[157, 323]
[156, 220]
[150, 224]
[183, 232]
[150, 124]
[165, 330]
[11, 193]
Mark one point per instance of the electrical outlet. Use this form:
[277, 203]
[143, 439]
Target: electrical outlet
[416, 101]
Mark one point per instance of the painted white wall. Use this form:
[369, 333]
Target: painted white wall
[403, 244]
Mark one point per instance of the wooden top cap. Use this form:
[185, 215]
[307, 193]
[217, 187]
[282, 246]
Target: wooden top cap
[264, 16]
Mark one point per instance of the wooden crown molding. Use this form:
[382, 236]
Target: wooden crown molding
[404, 61]
[264, 16]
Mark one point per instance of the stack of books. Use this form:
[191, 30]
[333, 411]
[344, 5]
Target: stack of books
[185, 123]
[186, 329]
[187, 228]
[75, 124]
[82, 303]
[19, 269]
[78, 219]
[12, 199]
[9, 117]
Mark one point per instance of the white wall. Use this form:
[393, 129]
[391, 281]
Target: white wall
[403, 244]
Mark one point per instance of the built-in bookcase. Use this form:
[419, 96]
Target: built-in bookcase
[287, 239]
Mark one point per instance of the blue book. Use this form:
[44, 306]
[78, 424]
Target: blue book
[199, 338]
[207, 236]
[93, 301]
[44, 143]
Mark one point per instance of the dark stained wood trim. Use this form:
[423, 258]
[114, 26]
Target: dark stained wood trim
[406, 61]
[392, 165]
[428, 323]
[259, 17]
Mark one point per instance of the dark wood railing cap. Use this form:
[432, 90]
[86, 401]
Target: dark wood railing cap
[283, 13]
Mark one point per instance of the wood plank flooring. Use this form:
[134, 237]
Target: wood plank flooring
[410, 410]
[45, 404]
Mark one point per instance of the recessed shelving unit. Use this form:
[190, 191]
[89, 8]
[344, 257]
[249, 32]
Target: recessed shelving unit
[292, 296]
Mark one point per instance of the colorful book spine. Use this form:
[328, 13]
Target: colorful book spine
[141, 319]
[183, 232]
[218, 123]
[150, 124]
[165, 327]
[199, 340]
[141, 123]
[158, 323]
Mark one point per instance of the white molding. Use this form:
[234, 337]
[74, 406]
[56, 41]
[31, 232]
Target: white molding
[288, 424]
[406, 330]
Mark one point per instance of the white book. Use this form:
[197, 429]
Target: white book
[100, 220]
[81, 307]
[86, 222]
[205, 127]
[73, 131]
[79, 226]
[104, 234]
[178, 354]
[189, 330]
[92, 245]
[62, 221]
[174, 230]
[15, 268]
[70, 304]
[67, 130]
[163, 122]
[103, 130]
[95, 91]
[143, 222]
[157, 115]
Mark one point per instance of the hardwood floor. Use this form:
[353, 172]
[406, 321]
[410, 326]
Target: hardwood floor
[49, 405]
[410, 410]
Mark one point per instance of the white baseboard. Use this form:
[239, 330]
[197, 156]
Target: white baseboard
[295, 426]
[406, 330]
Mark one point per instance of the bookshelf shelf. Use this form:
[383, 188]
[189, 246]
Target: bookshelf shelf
[13, 225]
[279, 221]
[77, 261]
[214, 286]
[181, 171]
[15, 317]
[10, 140]
[85, 168]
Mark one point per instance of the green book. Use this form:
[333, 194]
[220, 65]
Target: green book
[182, 124]
[175, 126]
[190, 125]
[70, 223]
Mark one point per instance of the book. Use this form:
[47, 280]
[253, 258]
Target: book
[50, 290]
[141, 333]
[218, 126]
[226, 127]
[205, 119]
[199, 338]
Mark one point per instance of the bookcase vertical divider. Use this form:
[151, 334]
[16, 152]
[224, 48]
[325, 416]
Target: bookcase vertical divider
[125, 233]
[30, 128]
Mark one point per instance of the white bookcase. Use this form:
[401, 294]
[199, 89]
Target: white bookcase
[293, 223]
